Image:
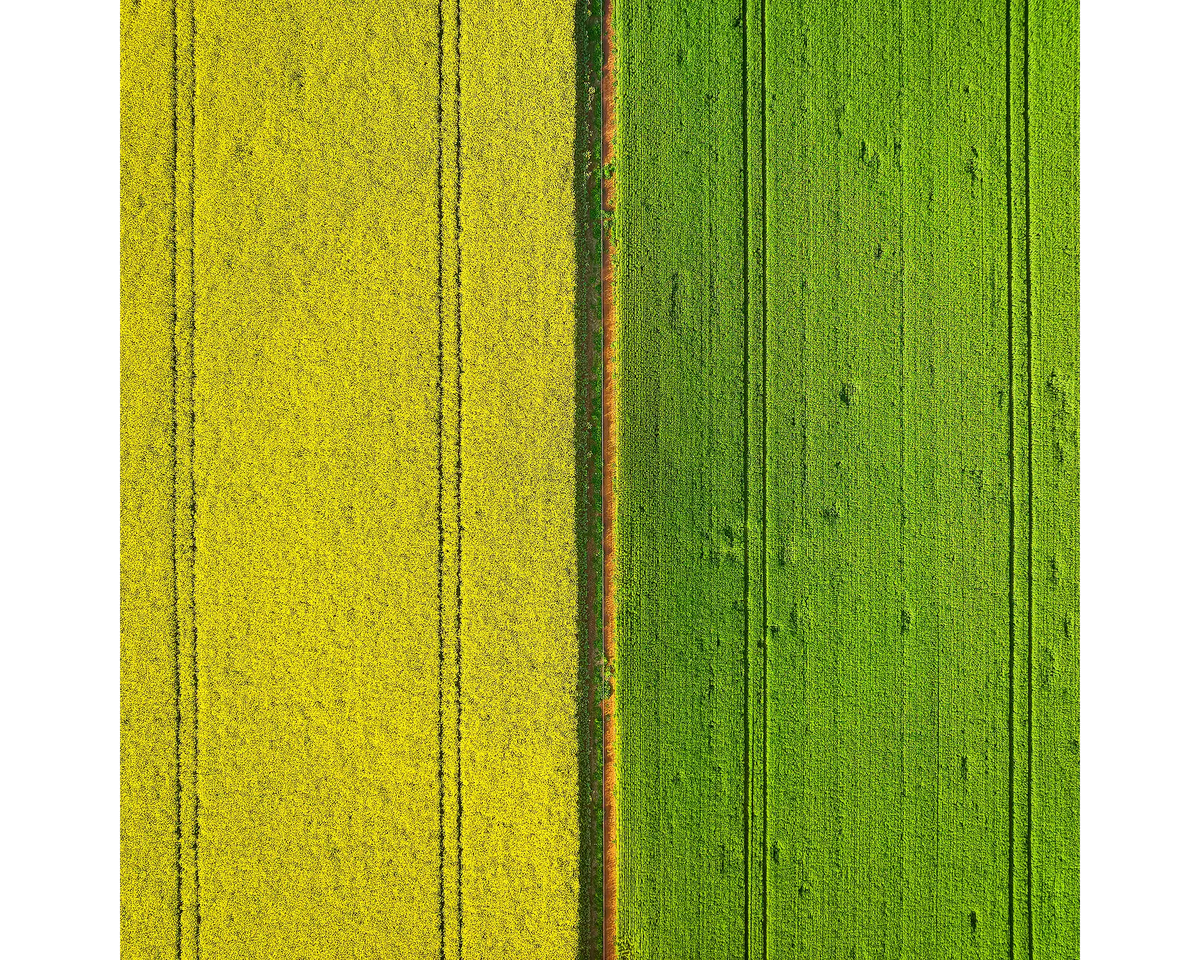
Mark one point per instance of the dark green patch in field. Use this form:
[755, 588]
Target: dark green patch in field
[589, 458]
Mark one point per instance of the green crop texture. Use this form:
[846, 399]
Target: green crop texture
[847, 510]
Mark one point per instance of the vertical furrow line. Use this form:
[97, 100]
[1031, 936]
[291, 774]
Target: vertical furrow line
[1029, 451]
[183, 363]
[747, 727]
[1012, 521]
[120, 756]
[903, 468]
[766, 651]
[175, 546]
[192, 459]
[449, 393]
[441, 527]
[458, 471]
[1021, 475]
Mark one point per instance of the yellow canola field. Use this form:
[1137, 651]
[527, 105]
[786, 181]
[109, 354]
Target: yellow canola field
[349, 585]
[520, 658]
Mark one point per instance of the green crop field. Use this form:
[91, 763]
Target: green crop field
[847, 571]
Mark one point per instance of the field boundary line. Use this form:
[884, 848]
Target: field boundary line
[609, 389]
